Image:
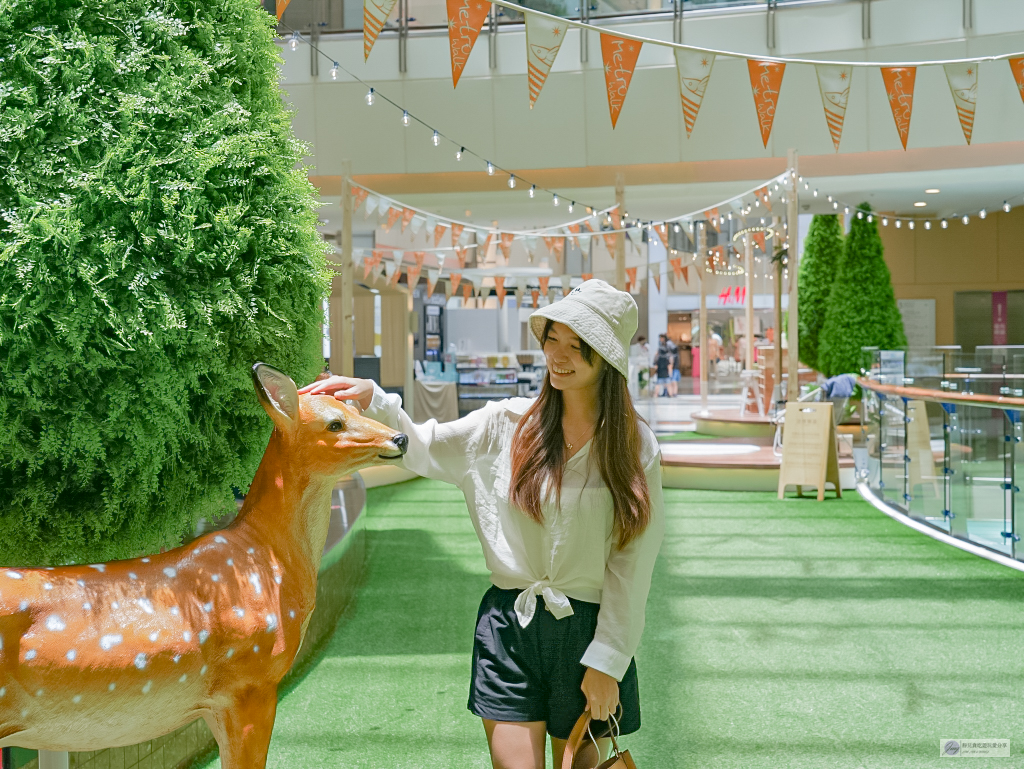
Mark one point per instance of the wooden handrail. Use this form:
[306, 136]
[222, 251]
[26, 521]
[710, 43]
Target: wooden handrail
[939, 396]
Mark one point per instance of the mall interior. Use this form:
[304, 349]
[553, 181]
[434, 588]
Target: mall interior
[830, 352]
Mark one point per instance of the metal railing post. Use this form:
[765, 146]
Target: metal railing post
[584, 38]
[492, 36]
[314, 57]
[677, 20]
[770, 23]
[865, 19]
[403, 35]
[968, 14]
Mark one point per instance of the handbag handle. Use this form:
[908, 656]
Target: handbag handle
[580, 732]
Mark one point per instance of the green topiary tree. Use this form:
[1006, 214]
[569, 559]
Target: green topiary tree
[157, 237]
[862, 309]
[822, 253]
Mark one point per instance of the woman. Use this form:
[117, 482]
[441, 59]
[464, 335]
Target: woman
[565, 495]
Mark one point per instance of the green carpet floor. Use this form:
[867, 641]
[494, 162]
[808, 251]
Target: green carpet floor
[779, 634]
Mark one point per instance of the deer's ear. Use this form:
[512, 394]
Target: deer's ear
[277, 394]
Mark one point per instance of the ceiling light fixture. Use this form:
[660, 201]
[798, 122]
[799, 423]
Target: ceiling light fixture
[920, 204]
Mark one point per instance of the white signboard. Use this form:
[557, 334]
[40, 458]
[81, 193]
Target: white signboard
[918, 321]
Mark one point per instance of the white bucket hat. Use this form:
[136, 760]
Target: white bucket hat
[600, 315]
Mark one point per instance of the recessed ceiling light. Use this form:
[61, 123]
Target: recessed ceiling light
[920, 204]
[932, 191]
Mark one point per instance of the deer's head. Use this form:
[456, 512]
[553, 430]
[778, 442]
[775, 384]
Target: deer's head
[333, 437]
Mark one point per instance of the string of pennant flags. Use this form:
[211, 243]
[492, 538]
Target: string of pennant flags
[620, 52]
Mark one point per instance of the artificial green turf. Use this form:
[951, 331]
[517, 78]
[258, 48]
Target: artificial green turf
[779, 634]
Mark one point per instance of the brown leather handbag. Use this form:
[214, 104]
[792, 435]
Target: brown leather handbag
[582, 735]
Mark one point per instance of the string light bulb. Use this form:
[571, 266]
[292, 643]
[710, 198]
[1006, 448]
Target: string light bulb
[533, 190]
[458, 153]
[370, 98]
[571, 204]
[829, 198]
[982, 214]
[1006, 206]
[294, 42]
[885, 221]
[490, 168]
[334, 71]
[860, 214]
[966, 219]
[511, 181]
[910, 224]
[945, 224]
[835, 205]
[815, 193]
[846, 210]
[871, 218]
[927, 225]
[898, 224]
[554, 199]
[405, 118]
[436, 138]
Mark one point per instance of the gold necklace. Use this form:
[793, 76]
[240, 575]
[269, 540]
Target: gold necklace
[568, 445]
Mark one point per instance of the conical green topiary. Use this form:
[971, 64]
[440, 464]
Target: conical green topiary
[823, 251]
[861, 309]
[157, 237]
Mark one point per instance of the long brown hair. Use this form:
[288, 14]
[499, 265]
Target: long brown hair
[538, 450]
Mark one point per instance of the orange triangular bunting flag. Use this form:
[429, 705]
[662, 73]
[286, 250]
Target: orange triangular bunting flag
[544, 37]
[834, 84]
[375, 16]
[677, 266]
[281, 5]
[412, 276]
[407, 215]
[587, 275]
[662, 230]
[393, 216]
[439, 233]
[765, 82]
[963, 84]
[499, 288]
[694, 68]
[460, 254]
[762, 195]
[368, 264]
[465, 19]
[609, 241]
[686, 274]
[535, 296]
[631, 276]
[759, 242]
[1017, 68]
[359, 196]
[396, 273]
[714, 218]
[419, 256]
[544, 284]
[457, 232]
[467, 289]
[559, 248]
[506, 244]
[456, 279]
[619, 55]
[566, 285]
[899, 87]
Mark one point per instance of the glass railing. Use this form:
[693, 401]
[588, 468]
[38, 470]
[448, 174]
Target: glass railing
[943, 441]
[327, 16]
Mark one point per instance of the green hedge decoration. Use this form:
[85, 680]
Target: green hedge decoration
[158, 235]
[823, 251]
[862, 310]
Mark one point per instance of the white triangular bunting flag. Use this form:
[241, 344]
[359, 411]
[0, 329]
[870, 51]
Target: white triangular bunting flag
[432, 276]
[397, 256]
[440, 260]
[372, 201]
[417, 224]
[375, 16]
[834, 84]
[544, 37]
[694, 68]
[963, 84]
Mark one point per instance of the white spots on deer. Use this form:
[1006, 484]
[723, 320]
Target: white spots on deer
[170, 572]
[3, 691]
[13, 575]
[115, 606]
[215, 577]
[140, 661]
[183, 678]
[87, 606]
[146, 605]
[76, 699]
[292, 614]
[271, 622]
[47, 586]
[147, 687]
[80, 582]
[39, 692]
[254, 579]
[256, 649]
[176, 659]
[98, 566]
[208, 607]
[220, 540]
[173, 610]
[109, 641]
[24, 713]
[23, 606]
[187, 636]
[30, 654]
[153, 636]
[71, 655]
[239, 612]
[231, 653]
[132, 575]
[55, 624]
[231, 562]
[111, 687]
[203, 635]
[202, 670]
[145, 560]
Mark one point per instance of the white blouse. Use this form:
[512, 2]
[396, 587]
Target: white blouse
[573, 552]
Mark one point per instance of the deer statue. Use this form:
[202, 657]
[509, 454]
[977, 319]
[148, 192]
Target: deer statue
[118, 653]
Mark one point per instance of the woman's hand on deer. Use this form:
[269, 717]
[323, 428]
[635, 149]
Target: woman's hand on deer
[344, 389]
[602, 693]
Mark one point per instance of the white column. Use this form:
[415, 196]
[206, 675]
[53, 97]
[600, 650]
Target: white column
[793, 239]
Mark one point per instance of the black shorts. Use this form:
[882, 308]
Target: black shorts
[534, 673]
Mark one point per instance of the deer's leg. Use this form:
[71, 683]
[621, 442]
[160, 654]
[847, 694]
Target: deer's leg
[243, 727]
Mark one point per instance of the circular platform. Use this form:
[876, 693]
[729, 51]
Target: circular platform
[730, 423]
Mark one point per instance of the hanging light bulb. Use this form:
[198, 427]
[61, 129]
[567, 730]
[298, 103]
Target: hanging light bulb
[927, 225]
[982, 214]
[846, 210]
[835, 204]
[898, 224]
[436, 138]
[729, 217]
[945, 224]
[370, 98]
[458, 153]
[677, 228]
[490, 168]
[625, 215]
[910, 224]
[294, 42]
[571, 204]
[554, 199]
[860, 214]
[871, 218]
[757, 204]
[815, 193]
[885, 221]
[966, 219]
[533, 190]
[334, 71]
[829, 198]
[405, 118]
[511, 181]
[806, 186]
[1006, 206]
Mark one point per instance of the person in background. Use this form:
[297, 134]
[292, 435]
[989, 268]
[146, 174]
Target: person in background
[663, 366]
[640, 364]
[673, 377]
